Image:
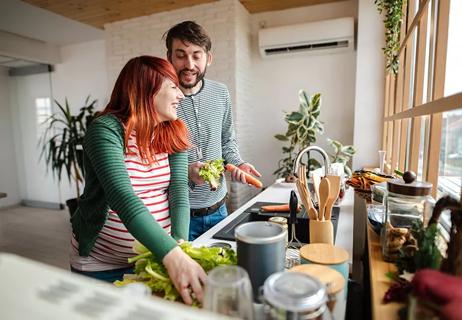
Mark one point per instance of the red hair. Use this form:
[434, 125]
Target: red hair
[132, 101]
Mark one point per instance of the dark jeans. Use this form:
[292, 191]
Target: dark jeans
[107, 275]
[199, 225]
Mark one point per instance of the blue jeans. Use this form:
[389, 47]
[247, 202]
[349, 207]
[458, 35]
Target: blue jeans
[108, 275]
[199, 225]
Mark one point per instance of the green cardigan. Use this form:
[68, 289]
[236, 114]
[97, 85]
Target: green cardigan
[107, 184]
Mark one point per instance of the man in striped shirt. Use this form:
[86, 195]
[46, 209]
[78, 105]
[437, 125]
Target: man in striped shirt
[206, 110]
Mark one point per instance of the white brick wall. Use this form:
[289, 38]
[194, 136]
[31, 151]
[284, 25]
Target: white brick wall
[243, 111]
[228, 24]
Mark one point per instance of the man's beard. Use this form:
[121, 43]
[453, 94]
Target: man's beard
[199, 78]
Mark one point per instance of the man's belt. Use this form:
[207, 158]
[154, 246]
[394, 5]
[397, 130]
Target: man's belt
[202, 212]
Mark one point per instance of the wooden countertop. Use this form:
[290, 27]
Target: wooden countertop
[379, 281]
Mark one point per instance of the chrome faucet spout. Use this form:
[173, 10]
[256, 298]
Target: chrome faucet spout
[309, 149]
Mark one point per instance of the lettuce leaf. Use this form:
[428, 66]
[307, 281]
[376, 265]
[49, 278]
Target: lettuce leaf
[150, 271]
[211, 172]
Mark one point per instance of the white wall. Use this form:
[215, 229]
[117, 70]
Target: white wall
[278, 80]
[8, 170]
[83, 72]
[370, 82]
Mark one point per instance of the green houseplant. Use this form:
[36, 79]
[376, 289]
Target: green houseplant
[302, 127]
[342, 154]
[61, 144]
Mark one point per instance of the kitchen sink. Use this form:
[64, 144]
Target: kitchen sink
[254, 213]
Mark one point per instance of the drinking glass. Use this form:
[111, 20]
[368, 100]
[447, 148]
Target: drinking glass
[228, 291]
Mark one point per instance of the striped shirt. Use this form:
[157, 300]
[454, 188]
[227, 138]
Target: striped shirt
[209, 119]
[114, 243]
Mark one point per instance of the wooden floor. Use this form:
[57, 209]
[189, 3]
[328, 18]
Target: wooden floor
[35, 233]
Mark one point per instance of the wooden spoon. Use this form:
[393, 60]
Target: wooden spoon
[333, 194]
[324, 189]
[304, 193]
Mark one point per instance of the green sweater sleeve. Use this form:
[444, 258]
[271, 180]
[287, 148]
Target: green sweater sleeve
[178, 195]
[105, 149]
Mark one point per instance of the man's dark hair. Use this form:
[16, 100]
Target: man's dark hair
[188, 31]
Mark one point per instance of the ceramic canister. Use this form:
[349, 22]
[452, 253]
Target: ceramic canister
[260, 250]
[331, 278]
[328, 255]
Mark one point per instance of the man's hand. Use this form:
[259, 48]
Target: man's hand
[186, 274]
[193, 173]
[238, 174]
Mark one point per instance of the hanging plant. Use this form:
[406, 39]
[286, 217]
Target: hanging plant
[393, 10]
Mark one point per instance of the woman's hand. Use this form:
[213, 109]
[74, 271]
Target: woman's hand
[186, 274]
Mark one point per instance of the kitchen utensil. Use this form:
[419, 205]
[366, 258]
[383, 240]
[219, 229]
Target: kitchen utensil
[334, 184]
[228, 291]
[304, 193]
[294, 243]
[321, 231]
[326, 254]
[324, 190]
[260, 250]
[316, 181]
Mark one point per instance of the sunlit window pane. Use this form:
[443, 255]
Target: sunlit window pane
[450, 166]
[453, 81]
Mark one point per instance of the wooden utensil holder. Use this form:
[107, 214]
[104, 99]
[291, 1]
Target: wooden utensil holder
[321, 231]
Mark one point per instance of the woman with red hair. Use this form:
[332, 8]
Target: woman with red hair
[136, 180]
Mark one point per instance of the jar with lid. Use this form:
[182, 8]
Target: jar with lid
[406, 201]
[294, 296]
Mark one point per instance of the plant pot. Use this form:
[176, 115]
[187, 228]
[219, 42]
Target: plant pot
[72, 205]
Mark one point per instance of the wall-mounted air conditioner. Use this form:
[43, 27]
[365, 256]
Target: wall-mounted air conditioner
[320, 37]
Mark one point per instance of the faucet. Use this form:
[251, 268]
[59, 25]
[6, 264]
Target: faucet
[308, 149]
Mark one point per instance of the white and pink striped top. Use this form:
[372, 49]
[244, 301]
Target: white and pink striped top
[114, 243]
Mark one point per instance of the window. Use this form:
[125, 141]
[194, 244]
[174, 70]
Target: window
[423, 101]
[43, 110]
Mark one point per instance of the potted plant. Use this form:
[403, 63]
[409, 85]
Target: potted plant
[342, 154]
[303, 125]
[62, 144]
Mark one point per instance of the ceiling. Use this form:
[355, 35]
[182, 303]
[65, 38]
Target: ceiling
[96, 13]
[11, 62]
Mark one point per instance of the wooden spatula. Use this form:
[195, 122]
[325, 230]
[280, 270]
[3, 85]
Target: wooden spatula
[333, 194]
[324, 189]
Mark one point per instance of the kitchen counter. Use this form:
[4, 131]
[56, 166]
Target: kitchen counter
[379, 280]
[280, 192]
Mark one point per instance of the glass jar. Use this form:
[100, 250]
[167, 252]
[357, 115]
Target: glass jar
[282, 222]
[405, 203]
[294, 296]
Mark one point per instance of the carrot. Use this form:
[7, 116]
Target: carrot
[248, 178]
[277, 208]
